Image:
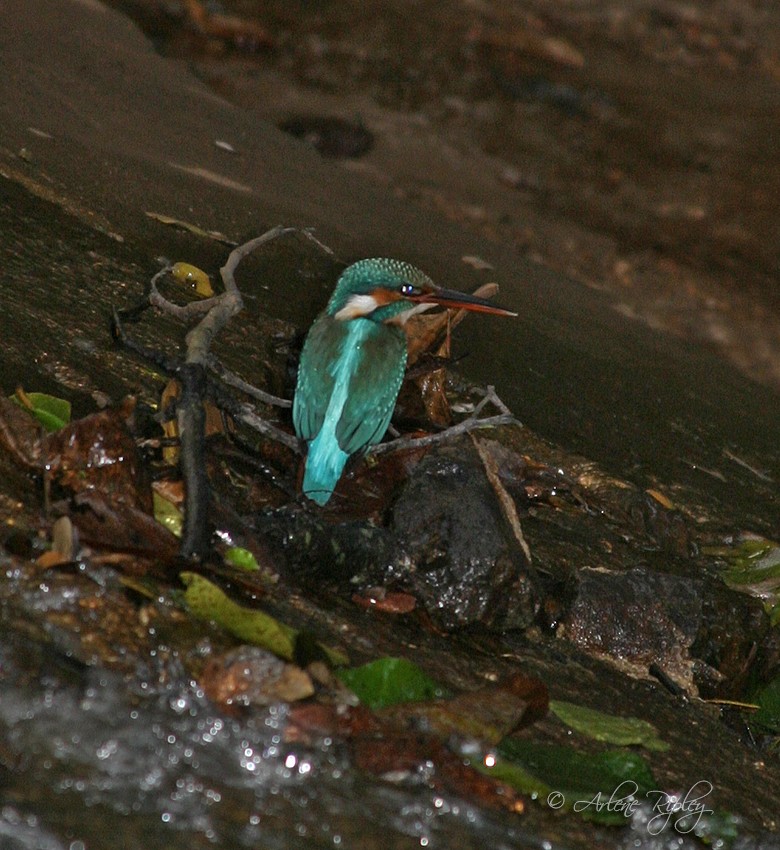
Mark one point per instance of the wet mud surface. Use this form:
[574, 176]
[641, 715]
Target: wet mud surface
[629, 146]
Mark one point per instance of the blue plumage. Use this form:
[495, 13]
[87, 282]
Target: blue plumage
[353, 363]
[351, 369]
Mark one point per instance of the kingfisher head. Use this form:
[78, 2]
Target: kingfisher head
[386, 290]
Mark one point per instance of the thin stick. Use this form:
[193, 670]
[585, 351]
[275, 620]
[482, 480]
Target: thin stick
[464, 427]
[507, 503]
[249, 418]
[233, 380]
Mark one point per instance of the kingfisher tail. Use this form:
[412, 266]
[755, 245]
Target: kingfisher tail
[324, 464]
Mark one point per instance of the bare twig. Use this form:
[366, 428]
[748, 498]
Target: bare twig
[213, 315]
[167, 364]
[470, 424]
[184, 313]
[233, 380]
[238, 254]
[745, 465]
[507, 503]
[248, 417]
[489, 395]
[191, 421]
[464, 427]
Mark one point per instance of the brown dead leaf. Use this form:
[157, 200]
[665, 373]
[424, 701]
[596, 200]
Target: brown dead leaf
[51, 559]
[239, 32]
[382, 744]
[106, 523]
[251, 676]
[487, 714]
[389, 603]
[20, 434]
[308, 721]
[402, 754]
[98, 453]
[171, 491]
[215, 422]
[428, 331]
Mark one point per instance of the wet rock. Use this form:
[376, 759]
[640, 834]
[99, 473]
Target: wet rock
[638, 616]
[447, 543]
[464, 564]
[735, 639]
[314, 548]
[696, 631]
[251, 676]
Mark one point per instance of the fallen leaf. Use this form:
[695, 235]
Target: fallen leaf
[192, 228]
[388, 681]
[476, 262]
[52, 412]
[428, 331]
[63, 538]
[488, 714]
[167, 514]
[20, 433]
[50, 559]
[388, 603]
[536, 768]
[193, 277]
[410, 756]
[622, 731]
[208, 602]
[99, 453]
[241, 559]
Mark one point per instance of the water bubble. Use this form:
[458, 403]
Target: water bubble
[107, 749]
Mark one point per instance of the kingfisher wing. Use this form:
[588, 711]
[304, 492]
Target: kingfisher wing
[316, 382]
[375, 378]
[361, 364]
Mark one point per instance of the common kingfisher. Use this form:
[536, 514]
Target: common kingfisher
[353, 363]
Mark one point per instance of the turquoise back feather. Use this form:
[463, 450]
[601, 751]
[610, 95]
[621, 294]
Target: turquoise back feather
[350, 375]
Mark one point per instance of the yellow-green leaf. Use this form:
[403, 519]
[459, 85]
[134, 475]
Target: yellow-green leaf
[167, 514]
[195, 278]
[208, 602]
[241, 559]
[622, 731]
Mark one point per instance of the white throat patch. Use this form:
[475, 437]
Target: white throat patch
[356, 307]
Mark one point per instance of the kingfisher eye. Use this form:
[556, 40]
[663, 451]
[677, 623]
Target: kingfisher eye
[408, 289]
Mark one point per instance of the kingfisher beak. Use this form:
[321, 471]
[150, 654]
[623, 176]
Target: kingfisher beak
[460, 301]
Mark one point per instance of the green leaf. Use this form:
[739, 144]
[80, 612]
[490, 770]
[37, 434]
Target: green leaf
[52, 412]
[388, 681]
[768, 699]
[755, 568]
[241, 559]
[600, 786]
[515, 775]
[622, 731]
[208, 602]
[167, 514]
